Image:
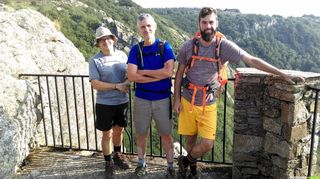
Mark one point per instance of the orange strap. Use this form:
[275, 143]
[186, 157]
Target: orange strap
[193, 58]
[195, 88]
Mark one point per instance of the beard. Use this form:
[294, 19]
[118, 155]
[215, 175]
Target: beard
[207, 36]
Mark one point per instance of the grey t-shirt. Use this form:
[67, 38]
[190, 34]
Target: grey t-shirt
[110, 69]
[205, 72]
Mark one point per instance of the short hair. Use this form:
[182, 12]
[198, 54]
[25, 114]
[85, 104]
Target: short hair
[144, 16]
[207, 11]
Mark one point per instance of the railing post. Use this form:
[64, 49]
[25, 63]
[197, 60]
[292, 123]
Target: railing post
[315, 114]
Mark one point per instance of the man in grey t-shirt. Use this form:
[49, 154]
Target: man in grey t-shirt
[202, 121]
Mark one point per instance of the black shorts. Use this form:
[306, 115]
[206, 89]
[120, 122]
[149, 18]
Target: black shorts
[108, 116]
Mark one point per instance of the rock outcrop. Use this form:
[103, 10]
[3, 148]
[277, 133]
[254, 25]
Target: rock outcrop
[29, 44]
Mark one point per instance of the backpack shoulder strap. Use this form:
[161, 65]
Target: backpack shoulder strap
[217, 47]
[219, 36]
[195, 49]
[140, 63]
[161, 48]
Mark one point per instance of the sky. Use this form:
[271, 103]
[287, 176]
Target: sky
[284, 8]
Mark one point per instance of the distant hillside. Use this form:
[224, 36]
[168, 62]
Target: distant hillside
[288, 43]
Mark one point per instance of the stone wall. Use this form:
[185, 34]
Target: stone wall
[272, 125]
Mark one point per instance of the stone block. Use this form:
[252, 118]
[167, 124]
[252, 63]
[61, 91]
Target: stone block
[250, 171]
[301, 113]
[238, 128]
[243, 157]
[245, 164]
[274, 145]
[247, 143]
[271, 125]
[272, 112]
[298, 132]
[254, 121]
[279, 162]
[287, 112]
[249, 79]
[289, 88]
[285, 96]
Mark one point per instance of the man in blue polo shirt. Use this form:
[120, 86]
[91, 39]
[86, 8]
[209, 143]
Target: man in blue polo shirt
[150, 65]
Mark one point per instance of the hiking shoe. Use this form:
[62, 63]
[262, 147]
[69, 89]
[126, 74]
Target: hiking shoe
[171, 173]
[121, 161]
[182, 168]
[109, 169]
[190, 176]
[140, 172]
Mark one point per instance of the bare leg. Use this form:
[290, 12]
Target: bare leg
[168, 147]
[190, 142]
[117, 135]
[201, 148]
[106, 142]
[141, 145]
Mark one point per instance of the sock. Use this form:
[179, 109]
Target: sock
[141, 162]
[193, 168]
[107, 158]
[188, 160]
[117, 149]
[170, 165]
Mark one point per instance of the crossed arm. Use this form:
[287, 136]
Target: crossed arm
[105, 86]
[146, 76]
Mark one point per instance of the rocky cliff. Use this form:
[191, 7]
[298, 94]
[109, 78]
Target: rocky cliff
[29, 43]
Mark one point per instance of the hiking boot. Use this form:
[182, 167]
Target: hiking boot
[190, 176]
[171, 173]
[139, 172]
[121, 161]
[182, 168]
[109, 169]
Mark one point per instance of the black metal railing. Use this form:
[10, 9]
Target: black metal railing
[67, 105]
[316, 90]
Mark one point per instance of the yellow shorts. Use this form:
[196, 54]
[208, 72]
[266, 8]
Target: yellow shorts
[195, 122]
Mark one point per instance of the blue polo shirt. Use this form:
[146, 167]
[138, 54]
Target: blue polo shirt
[152, 61]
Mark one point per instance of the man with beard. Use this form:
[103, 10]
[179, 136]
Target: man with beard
[196, 105]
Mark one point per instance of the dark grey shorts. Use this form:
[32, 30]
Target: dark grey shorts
[111, 115]
[145, 110]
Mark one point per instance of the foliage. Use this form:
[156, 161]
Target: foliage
[288, 43]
